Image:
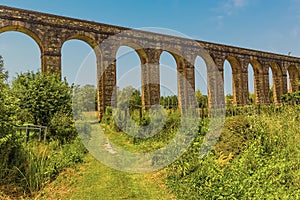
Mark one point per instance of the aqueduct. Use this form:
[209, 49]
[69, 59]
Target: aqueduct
[51, 31]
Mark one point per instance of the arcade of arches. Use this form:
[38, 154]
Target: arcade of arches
[50, 32]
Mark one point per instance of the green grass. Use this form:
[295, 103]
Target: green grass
[101, 182]
[93, 180]
[257, 157]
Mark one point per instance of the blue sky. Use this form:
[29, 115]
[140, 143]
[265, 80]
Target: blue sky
[268, 25]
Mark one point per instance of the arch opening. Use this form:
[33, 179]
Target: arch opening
[25, 50]
[271, 91]
[201, 82]
[278, 86]
[168, 80]
[228, 83]
[251, 82]
[292, 78]
[128, 68]
[79, 63]
[27, 32]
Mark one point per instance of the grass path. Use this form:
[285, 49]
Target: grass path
[96, 181]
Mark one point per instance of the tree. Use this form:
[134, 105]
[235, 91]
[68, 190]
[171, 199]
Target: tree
[201, 99]
[85, 99]
[169, 102]
[42, 100]
[42, 95]
[135, 101]
[6, 103]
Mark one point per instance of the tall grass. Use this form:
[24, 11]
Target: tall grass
[257, 157]
[37, 164]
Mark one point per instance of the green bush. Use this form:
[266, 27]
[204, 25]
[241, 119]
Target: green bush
[62, 127]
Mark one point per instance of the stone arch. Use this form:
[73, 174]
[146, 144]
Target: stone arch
[258, 81]
[90, 41]
[293, 78]
[180, 72]
[278, 85]
[87, 50]
[143, 58]
[22, 29]
[185, 75]
[215, 80]
[237, 79]
[134, 45]
[202, 72]
[177, 54]
[26, 55]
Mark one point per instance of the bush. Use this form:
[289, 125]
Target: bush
[62, 127]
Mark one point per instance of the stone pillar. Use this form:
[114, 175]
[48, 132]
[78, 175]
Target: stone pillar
[293, 83]
[151, 78]
[51, 62]
[298, 78]
[219, 81]
[284, 88]
[277, 81]
[189, 83]
[265, 85]
[106, 77]
[294, 77]
[181, 88]
[258, 86]
[186, 84]
[242, 84]
[51, 53]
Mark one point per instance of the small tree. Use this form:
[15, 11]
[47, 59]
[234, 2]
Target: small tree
[44, 97]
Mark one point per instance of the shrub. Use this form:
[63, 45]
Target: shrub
[62, 127]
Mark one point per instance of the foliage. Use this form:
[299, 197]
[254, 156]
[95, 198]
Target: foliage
[292, 98]
[85, 99]
[169, 102]
[257, 157]
[44, 162]
[7, 110]
[251, 98]
[43, 99]
[202, 100]
[135, 100]
[62, 127]
[42, 95]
